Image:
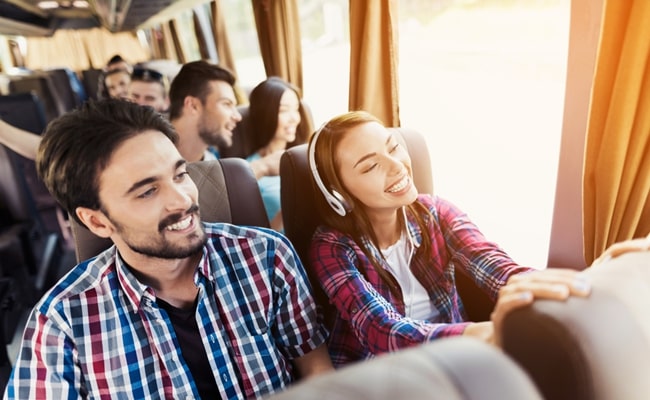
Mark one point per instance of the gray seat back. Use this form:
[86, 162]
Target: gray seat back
[456, 368]
[228, 192]
[594, 348]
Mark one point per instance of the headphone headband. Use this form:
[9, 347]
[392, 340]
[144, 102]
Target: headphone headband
[333, 198]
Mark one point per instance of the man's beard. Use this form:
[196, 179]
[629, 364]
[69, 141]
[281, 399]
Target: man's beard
[212, 138]
[160, 247]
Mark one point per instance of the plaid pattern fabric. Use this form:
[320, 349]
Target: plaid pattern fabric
[100, 334]
[369, 319]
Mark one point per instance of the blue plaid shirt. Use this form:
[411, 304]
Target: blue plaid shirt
[100, 334]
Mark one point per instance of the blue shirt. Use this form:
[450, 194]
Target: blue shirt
[270, 190]
[99, 331]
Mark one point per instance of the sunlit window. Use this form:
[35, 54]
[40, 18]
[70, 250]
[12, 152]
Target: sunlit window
[242, 35]
[484, 81]
[190, 45]
[326, 56]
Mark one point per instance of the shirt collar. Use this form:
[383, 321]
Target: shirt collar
[137, 291]
[413, 229]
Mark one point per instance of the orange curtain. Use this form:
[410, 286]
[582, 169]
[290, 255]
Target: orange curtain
[200, 37]
[617, 162]
[178, 46]
[373, 59]
[82, 49]
[168, 42]
[278, 32]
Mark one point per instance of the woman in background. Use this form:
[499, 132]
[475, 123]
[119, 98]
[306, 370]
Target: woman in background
[275, 115]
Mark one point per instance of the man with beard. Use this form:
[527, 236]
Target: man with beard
[203, 109]
[176, 308]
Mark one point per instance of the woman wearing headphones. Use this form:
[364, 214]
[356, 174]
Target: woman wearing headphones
[386, 256]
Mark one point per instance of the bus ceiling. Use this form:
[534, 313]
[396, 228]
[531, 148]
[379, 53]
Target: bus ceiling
[44, 17]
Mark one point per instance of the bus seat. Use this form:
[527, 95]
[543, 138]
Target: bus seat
[301, 218]
[243, 144]
[69, 91]
[24, 196]
[593, 348]
[457, 368]
[26, 111]
[228, 192]
[90, 81]
[41, 85]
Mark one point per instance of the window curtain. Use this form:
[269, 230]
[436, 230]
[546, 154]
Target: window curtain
[178, 46]
[168, 42]
[157, 43]
[373, 59]
[82, 49]
[220, 33]
[200, 37]
[617, 157]
[65, 49]
[278, 32]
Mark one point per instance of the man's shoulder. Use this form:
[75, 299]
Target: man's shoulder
[222, 229]
[85, 276]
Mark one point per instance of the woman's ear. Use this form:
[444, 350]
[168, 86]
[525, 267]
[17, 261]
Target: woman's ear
[96, 221]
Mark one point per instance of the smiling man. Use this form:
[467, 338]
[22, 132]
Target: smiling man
[149, 88]
[177, 308]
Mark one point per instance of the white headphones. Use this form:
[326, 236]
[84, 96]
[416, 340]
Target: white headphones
[333, 198]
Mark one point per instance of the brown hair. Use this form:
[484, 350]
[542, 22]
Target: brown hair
[192, 80]
[356, 222]
[77, 146]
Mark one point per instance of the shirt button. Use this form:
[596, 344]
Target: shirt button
[355, 310]
[224, 377]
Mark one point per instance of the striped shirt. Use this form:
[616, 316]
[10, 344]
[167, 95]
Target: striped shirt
[100, 334]
[369, 319]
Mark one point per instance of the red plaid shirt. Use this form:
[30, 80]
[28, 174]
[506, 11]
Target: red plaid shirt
[369, 319]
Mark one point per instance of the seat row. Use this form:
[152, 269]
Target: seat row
[593, 348]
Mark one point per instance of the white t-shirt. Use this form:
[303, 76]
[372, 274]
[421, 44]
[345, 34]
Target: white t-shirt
[416, 299]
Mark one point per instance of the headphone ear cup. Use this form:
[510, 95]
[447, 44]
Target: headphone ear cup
[344, 204]
[333, 198]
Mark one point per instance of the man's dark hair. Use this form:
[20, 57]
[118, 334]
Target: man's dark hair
[115, 59]
[77, 146]
[192, 80]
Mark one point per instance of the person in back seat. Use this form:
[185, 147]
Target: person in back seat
[21, 141]
[203, 109]
[149, 87]
[177, 308]
[274, 113]
[387, 256]
[116, 83]
[114, 63]
[146, 87]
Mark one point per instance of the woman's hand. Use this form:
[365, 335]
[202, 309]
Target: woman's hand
[615, 250]
[522, 289]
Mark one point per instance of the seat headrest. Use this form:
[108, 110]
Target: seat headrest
[446, 369]
[589, 348]
[228, 192]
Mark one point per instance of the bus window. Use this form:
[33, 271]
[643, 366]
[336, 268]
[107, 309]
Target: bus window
[484, 81]
[242, 35]
[187, 38]
[326, 56]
